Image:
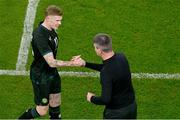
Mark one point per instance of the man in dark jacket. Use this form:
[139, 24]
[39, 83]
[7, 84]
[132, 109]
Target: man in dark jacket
[117, 94]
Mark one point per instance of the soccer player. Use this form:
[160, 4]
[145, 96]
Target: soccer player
[43, 72]
[117, 94]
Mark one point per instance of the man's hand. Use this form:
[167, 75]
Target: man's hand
[78, 61]
[89, 95]
[75, 57]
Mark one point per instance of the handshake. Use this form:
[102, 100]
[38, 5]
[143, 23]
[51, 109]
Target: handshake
[77, 61]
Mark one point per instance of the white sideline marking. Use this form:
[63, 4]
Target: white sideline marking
[27, 35]
[96, 74]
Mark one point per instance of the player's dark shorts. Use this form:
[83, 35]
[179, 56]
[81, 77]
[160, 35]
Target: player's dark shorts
[43, 85]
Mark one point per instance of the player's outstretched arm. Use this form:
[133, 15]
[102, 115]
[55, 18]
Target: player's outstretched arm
[58, 63]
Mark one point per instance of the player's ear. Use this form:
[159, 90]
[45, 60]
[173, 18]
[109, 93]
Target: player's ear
[99, 50]
[48, 17]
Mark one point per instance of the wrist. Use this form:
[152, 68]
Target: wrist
[84, 64]
[91, 98]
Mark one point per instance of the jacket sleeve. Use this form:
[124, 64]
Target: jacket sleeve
[94, 66]
[106, 93]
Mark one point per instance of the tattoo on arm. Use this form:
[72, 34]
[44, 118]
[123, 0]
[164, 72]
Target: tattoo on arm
[55, 63]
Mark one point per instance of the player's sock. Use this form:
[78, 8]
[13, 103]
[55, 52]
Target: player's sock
[30, 114]
[54, 112]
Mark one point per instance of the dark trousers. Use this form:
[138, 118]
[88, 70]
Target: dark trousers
[128, 112]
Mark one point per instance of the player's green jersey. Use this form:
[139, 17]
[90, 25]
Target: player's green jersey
[43, 42]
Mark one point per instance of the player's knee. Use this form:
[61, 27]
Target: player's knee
[42, 110]
[54, 100]
[54, 103]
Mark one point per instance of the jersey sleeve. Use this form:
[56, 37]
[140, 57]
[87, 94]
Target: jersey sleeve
[42, 45]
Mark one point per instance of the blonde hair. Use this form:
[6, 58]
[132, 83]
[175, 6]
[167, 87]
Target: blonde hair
[53, 10]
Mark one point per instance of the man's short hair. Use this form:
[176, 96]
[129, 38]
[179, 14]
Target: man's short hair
[53, 10]
[103, 41]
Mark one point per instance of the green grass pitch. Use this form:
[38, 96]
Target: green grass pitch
[147, 31]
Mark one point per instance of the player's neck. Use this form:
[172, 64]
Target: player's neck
[46, 25]
[108, 55]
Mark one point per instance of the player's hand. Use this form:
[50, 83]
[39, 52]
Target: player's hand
[89, 95]
[78, 61]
